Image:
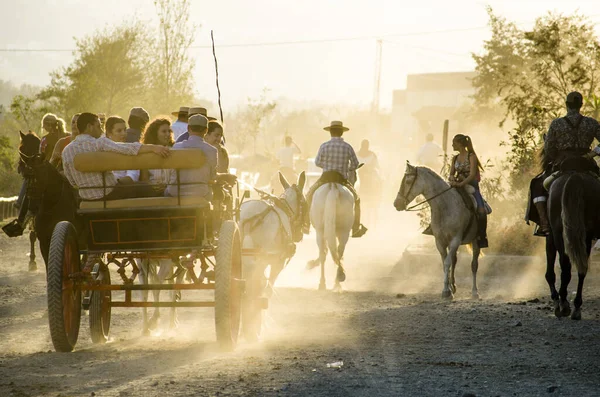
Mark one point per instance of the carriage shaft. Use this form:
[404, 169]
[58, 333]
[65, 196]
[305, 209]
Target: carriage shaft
[162, 304]
[147, 287]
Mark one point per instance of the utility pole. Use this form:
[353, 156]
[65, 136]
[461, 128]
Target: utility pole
[375, 103]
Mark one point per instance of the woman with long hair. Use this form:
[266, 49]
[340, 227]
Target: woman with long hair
[465, 169]
[157, 132]
[55, 128]
[56, 159]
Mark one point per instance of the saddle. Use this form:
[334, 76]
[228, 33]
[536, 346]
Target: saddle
[467, 193]
[572, 164]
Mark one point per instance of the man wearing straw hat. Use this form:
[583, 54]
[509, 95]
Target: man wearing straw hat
[339, 163]
[180, 126]
[193, 111]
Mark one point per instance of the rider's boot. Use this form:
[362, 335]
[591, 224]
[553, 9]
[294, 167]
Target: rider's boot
[428, 231]
[544, 226]
[482, 230]
[358, 229]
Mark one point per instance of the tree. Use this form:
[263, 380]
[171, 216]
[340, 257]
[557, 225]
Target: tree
[529, 74]
[108, 73]
[249, 122]
[171, 73]
[28, 111]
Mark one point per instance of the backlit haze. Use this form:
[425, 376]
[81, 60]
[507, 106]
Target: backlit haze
[335, 62]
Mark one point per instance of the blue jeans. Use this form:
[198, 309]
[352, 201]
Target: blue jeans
[478, 196]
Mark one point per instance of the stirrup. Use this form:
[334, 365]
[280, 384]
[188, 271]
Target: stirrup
[540, 232]
[359, 232]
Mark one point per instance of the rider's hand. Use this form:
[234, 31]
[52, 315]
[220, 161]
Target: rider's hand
[229, 179]
[162, 151]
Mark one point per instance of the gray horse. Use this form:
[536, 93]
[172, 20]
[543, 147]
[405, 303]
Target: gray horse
[452, 223]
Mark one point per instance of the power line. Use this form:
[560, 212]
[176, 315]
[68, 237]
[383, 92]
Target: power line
[300, 42]
[280, 43]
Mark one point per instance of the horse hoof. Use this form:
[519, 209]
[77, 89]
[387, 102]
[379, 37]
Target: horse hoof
[341, 275]
[447, 295]
[557, 308]
[475, 295]
[337, 287]
[32, 266]
[322, 286]
[576, 314]
[311, 264]
[565, 309]
[145, 332]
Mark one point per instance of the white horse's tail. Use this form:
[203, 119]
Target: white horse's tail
[329, 222]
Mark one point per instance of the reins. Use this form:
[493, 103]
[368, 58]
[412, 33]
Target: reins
[411, 208]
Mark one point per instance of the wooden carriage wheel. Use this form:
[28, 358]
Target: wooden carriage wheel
[100, 308]
[228, 285]
[64, 296]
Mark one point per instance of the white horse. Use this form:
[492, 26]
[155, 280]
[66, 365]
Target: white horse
[452, 223]
[269, 229]
[332, 215]
[158, 271]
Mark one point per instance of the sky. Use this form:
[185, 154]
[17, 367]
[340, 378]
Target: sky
[335, 63]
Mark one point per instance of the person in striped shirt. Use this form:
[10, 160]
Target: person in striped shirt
[339, 163]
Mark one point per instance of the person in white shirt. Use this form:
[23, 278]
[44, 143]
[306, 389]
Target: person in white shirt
[116, 130]
[180, 126]
[93, 185]
[286, 154]
[430, 154]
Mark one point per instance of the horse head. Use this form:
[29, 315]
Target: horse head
[294, 196]
[408, 189]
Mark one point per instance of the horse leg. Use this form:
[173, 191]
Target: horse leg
[173, 321]
[154, 279]
[581, 273]
[144, 281]
[32, 238]
[322, 257]
[474, 268]
[452, 249]
[550, 275]
[564, 308]
[341, 273]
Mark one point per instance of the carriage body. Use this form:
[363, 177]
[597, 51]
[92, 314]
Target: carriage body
[188, 230]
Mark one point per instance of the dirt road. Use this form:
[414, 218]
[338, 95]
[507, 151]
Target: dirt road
[413, 344]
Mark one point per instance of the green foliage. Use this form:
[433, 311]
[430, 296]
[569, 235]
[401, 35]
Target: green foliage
[529, 74]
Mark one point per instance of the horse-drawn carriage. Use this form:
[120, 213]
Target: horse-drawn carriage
[185, 229]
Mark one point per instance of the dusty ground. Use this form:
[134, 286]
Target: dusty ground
[413, 345]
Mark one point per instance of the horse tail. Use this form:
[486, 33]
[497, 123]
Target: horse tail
[573, 220]
[329, 221]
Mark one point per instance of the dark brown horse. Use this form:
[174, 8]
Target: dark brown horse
[48, 195]
[574, 219]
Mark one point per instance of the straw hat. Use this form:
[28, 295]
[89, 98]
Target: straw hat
[183, 109]
[336, 125]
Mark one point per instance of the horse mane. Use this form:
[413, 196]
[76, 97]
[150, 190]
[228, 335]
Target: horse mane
[431, 172]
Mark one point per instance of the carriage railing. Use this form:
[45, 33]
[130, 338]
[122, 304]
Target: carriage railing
[105, 162]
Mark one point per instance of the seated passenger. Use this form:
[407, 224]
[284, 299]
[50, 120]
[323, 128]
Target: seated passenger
[90, 184]
[61, 144]
[222, 190]
[116, 130]
[195, 181]
[158, 132]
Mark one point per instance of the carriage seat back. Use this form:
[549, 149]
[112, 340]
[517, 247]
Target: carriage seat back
[109, 161]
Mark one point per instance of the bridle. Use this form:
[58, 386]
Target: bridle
[405, 197]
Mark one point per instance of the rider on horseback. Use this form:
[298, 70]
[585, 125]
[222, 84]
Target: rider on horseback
[569, 136]
[339, 163]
